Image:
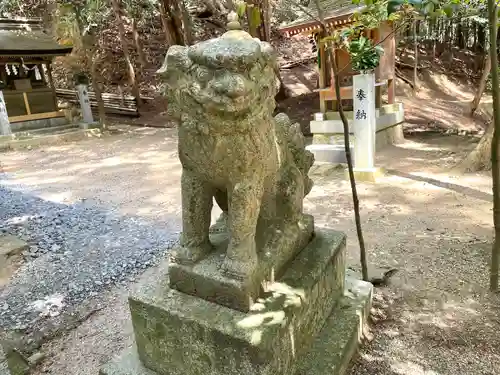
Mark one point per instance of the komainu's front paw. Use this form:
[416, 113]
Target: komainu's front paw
[189, 255]
[241, 261]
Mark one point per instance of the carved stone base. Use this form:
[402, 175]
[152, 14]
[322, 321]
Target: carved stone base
[206, 279]
[179, 334]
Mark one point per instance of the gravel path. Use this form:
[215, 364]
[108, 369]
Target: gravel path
[436, 317]
[75, 252]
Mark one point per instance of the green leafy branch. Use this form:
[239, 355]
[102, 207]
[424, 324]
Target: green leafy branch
[364, 54]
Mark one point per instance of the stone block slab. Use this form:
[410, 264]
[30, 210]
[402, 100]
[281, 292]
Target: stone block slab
[338, 341]
[206, 280]
[11, 248]
[334, 154]
[4, 369]
[365, 174]
[327, 126]
[329, 354]
[11, 245]
[179, 334]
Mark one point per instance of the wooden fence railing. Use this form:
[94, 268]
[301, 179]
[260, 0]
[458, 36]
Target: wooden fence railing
[113, 104]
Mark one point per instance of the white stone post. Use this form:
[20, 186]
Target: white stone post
[4, 117]
[83, 96]
[364, 125]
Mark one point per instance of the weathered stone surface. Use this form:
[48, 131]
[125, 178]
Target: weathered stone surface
[329, 354]
[4, 370]
[11, 245]
[17, 364]
[338, 341]
[221, 92]
[205, 280]
[177, 333]
[11, 248]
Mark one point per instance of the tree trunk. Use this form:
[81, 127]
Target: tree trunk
[131, 71]
[90, 52]
[262, 29]
[481, 38]
[172, 22]
[482, 85]
[350, 167]
[170, 39]
[495, 143]
[138, 44]
[433, 35]
[96, 86]
[266, 20]
[49, 17]
[415, 67]
[282, 92]
[221, 5]
[465, 34]
[253, 29]
[474, 35]
[186, 21]
[212, 7]
[459, 41]
[479, 159]
[176, 16]
[89, 45]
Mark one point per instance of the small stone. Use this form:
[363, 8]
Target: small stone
[36, 358]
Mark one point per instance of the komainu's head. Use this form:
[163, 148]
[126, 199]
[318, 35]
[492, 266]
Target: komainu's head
[233, 74]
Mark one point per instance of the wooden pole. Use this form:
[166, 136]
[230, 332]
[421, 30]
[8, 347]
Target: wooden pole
[391, 83]
[495, 144]
[415, 66]
[322, 71]
[26, 103]
[391, 91]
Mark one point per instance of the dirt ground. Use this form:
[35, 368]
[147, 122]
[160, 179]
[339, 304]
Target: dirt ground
[435, 318]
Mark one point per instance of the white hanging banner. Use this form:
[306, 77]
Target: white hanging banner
[38, 76]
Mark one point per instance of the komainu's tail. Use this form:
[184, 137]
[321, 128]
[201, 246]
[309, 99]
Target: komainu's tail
[303, 158]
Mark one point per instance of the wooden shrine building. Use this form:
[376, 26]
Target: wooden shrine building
[326, 127]
[338, 14]
[26, 55]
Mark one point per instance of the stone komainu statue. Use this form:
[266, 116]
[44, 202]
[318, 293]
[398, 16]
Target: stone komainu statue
[221, 92]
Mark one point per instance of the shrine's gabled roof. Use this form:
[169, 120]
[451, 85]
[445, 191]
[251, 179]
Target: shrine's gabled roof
[336, 14]
[25, 37]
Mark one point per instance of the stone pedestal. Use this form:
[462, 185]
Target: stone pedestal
[4, 369]
[285, 332]
[206, 281]
[83, 97]
[11, 249]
